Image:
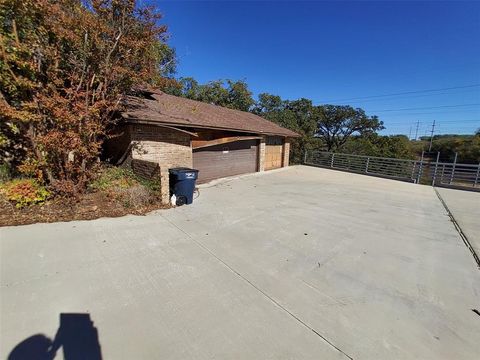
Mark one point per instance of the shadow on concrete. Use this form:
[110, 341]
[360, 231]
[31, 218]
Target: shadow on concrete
[76, 335]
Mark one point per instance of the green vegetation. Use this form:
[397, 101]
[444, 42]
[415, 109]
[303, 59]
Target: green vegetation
[326, 127]
[24, 192]
[111, 177]
[5, 174]
[227, 93]
[467, 147]
[395, 146]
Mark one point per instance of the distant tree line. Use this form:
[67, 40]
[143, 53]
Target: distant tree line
[466, 147]
[337, 128]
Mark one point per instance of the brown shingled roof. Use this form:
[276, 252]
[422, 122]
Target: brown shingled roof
[167, 109]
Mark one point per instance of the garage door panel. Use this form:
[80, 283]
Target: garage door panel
[213, 162]
[273, 156]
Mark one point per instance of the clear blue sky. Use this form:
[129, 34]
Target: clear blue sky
[330, 51]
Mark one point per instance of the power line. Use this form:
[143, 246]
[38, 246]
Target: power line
[405, 97]
[426, 107]
[441, 122]
[439, 112]
[407, 92]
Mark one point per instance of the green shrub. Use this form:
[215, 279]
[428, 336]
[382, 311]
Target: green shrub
[25, 192]
[111, 177]
[5, 172]
[114, 177]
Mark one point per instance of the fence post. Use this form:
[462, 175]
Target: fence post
[420, 169]
[412, 176]
[305, 157]
[366, 167]
[476, 176]
[435, 171]
[333, 159]
[452, 174]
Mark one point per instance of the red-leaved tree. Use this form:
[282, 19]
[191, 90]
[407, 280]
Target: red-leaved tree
[64, 67]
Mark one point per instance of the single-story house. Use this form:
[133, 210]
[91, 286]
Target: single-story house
[170, 131]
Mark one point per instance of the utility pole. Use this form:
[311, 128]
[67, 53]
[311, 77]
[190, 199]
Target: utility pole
[416, 131]
[410, 133]
[431, 136]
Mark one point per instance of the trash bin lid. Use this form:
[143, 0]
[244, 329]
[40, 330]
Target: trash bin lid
[181, 170]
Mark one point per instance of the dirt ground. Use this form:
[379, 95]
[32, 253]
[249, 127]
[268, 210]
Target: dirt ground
[87, 207]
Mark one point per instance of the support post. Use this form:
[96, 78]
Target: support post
[412, 176]
[366, 167]
[477, 176]
[452, 174]
[333, 159]
[420, 168]
[165, 185]
[436, 167]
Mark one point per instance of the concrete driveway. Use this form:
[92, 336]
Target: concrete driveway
[302, 263]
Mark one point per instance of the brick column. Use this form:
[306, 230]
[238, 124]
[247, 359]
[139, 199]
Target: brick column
[261, 155]
[165, 185]
[286, 152]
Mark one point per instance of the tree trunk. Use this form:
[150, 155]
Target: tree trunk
[38, 153]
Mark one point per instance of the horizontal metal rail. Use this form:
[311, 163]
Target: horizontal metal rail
[466, 176]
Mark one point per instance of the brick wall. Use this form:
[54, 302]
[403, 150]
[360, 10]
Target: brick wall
[261, 155]
[286, 153]
[148, 170]
[168, 148]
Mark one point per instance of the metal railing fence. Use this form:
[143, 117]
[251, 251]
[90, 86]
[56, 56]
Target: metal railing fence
[466, 176]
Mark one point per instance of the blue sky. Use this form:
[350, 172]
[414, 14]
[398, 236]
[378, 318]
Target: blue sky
[330, 51]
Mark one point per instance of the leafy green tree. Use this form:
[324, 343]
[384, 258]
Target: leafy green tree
[214, 93]
[239, 96]
[296, 115]
[229, 93]
[187, 87]
[394, 146]
[268, 104]
[467, 147]
[337, 123]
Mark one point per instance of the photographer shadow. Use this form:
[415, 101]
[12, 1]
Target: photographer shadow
[76, 335]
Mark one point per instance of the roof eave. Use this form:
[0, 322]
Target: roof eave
[130, 119]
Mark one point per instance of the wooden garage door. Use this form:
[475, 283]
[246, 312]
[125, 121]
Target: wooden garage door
[239, 157]
[273, 152]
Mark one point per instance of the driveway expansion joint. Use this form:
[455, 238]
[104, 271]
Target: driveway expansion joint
[276, 303]
[459, 229]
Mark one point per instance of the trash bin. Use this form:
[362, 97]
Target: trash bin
[182, 184]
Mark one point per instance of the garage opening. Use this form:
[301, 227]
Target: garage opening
[232, 158]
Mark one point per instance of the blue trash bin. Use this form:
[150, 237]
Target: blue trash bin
[182, 184]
